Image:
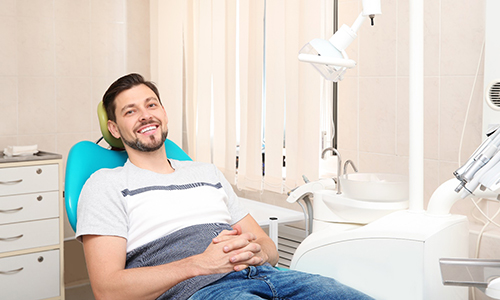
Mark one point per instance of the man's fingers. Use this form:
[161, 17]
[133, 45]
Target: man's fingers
[235, 242]
[247, 253]
[225, 235]
[252, 261]
[235, 245]
[237, 227]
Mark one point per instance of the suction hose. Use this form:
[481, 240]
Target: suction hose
[443, 198]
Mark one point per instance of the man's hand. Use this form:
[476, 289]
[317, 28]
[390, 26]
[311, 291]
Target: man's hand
[246, 245]
[243, 248]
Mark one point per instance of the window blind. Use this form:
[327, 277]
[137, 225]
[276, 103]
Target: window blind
[234, 91]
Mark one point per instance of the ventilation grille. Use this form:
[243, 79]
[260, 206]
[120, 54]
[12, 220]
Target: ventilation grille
[493, 98]
[289, 238]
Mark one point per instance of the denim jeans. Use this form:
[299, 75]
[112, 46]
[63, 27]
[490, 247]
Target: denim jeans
[265, 282]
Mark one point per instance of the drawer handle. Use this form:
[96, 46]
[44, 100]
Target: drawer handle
[10, 211]
[11, 272]
[12, 238]
[11, 182]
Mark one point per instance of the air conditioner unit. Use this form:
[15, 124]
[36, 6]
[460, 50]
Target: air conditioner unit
[491, 104]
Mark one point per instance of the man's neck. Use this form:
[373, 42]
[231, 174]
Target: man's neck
[155, 161]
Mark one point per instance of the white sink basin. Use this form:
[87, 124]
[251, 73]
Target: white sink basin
[375, 186]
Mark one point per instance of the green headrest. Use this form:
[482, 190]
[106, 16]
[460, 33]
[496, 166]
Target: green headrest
[103, 123]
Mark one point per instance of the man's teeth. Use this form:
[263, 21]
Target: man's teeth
[149, 128]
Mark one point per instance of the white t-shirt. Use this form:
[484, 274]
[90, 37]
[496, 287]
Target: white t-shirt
[142, 205]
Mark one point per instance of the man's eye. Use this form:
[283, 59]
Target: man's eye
[129, 112]
[152, 104]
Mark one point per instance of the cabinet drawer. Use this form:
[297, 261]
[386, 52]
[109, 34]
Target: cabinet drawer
[27, 235]
[23, 180]
[30, 276]
[29, 207]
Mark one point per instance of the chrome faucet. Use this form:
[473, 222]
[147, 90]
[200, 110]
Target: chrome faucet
[339, 165]
[349, 162]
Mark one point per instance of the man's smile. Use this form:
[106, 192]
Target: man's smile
[147, 130]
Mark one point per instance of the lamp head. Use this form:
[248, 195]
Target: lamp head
[326, 58]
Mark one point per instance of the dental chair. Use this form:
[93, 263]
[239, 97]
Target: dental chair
[86, 157]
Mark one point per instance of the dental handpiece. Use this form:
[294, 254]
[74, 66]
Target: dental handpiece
[477, 158]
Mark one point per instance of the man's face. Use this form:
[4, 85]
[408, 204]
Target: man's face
[141, 121]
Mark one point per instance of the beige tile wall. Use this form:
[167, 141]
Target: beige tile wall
[373, 99]
[57, 57]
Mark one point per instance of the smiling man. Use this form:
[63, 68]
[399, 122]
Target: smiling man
[158, 228]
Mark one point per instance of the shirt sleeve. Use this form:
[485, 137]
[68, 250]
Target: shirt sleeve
[236, 210]
[101, 210]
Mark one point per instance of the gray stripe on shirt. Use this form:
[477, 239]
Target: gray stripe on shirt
[174, 187]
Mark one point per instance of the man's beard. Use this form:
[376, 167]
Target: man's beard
[140, 146]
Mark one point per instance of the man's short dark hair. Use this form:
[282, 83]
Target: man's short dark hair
[122, 84]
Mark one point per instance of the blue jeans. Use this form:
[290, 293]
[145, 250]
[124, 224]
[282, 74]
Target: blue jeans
[265, 282]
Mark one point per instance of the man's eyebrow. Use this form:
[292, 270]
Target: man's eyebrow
[152, 99]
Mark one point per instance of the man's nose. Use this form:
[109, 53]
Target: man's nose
[145, 115]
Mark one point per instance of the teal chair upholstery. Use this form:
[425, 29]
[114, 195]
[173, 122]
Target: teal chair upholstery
[86, 157]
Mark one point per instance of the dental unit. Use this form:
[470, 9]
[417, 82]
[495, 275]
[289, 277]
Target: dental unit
[396, 253]
[391, 248]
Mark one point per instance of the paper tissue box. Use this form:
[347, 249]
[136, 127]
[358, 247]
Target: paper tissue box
[20, 150]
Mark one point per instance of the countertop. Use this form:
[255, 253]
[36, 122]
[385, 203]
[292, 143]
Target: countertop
[41, 155]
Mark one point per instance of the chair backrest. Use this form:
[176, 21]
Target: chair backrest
[86, 157]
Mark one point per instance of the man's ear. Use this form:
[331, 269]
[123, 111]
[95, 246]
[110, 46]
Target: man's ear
[113, 129]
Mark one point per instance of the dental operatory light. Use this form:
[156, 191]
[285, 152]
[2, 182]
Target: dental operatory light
[329, 56]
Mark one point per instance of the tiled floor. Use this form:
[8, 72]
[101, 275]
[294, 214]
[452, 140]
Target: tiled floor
[80, 292]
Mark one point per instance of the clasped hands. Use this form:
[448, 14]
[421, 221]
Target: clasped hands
[235, 250]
